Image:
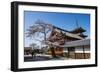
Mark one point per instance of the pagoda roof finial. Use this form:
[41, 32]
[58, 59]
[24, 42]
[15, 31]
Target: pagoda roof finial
[77, 25]
[78, 29]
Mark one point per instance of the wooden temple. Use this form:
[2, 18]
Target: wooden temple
[60, 38]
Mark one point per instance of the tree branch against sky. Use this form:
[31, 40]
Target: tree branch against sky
[39, 28]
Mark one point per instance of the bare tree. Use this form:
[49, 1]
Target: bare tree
[33, 45]
[41, 27]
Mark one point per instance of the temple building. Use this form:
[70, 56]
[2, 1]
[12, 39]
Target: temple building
[70, 44]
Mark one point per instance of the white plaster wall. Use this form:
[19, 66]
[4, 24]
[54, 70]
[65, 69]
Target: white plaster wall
[79, 49]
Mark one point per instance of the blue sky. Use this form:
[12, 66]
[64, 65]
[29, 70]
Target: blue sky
[66, 21]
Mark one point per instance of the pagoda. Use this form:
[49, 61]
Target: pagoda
[79, 31]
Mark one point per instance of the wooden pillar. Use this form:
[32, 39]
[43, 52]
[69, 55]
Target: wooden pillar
[84, 51]
[68, 52]
[75, 54]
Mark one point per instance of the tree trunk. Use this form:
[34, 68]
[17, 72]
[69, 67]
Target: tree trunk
[44, 37]
[53, 52]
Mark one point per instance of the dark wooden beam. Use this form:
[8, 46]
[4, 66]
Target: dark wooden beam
[84, 51]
